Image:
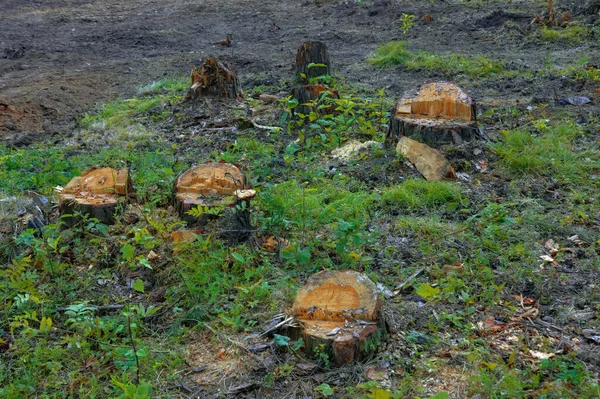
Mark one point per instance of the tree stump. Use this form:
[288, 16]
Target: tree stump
[438, 114]
[312, 60]
[98, 192]
[214, 78]
[340, 310]
[214, 186]
[309, 93]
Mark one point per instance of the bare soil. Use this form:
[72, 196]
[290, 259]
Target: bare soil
[59, 58]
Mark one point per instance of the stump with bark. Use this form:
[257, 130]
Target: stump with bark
[218, 188]
[98, 192]
[438, 114]
[340, 310]
[214, 78]
[307, 96]
[312, 60]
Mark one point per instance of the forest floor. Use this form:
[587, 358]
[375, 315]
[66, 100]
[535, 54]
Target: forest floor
[507, 301]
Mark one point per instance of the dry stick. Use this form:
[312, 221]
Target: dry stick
[408, 280]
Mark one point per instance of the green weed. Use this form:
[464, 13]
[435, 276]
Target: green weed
[395, 53]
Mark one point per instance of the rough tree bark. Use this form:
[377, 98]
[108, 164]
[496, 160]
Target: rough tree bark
[97, 192]
[340, 310]
[214, 78]
[438, 114]
[312, 53]
[214, 185]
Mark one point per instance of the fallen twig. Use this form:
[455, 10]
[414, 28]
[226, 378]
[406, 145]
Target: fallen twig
[406, 282]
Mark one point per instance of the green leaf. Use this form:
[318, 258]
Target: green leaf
[440, 395]
[128, 252]
[102, 229]
[281, 340]
[238, 257]
[298, 344]
[379, 393]
[426, 291]
[325, 389]
[138, 285]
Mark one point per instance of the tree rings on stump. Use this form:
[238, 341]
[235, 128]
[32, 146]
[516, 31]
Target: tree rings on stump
[440, 113]
[340, 310]
[98, 192]
[309, 94]
[312, 60]
[214, 78]
[214, 185]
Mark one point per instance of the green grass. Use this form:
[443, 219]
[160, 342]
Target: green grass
[420, 194]
[222, 291]
[570, 35]
[396, 53]
[551, 152]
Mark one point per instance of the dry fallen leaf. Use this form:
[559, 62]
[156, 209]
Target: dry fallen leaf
[376, 374]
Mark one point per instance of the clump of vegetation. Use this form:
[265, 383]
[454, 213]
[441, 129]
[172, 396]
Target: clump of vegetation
[396, 53]
[550, 152]
[571, 34]
[420, 194]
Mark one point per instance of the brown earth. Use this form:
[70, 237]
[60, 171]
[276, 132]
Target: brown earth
[59, 58]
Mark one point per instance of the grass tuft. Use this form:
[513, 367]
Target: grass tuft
[395, 53]
[418, 194]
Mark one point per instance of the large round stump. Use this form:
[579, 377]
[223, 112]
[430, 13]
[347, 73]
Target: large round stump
[214, 186]
[98, 193]
[340, 310]
[214, 78]
[440, 113]
[312, 60]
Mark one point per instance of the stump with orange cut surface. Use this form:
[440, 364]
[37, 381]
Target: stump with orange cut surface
[98, 192]
[214, 78]
[218, 188]
[439, 113]
[340, 310]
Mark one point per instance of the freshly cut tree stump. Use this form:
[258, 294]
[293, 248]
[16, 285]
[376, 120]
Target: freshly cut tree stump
[340, 310]
[213, 185]
[438, 114]
[312, 60]
[308, 93]
[98, 192]
[214, 78]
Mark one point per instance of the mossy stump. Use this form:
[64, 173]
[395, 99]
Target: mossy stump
[100, 193]
[214, 78]
[312, 60]
[218, 188]
[341, 311]
[438, 114]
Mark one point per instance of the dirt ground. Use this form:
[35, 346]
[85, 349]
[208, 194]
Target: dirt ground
[59, 58]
